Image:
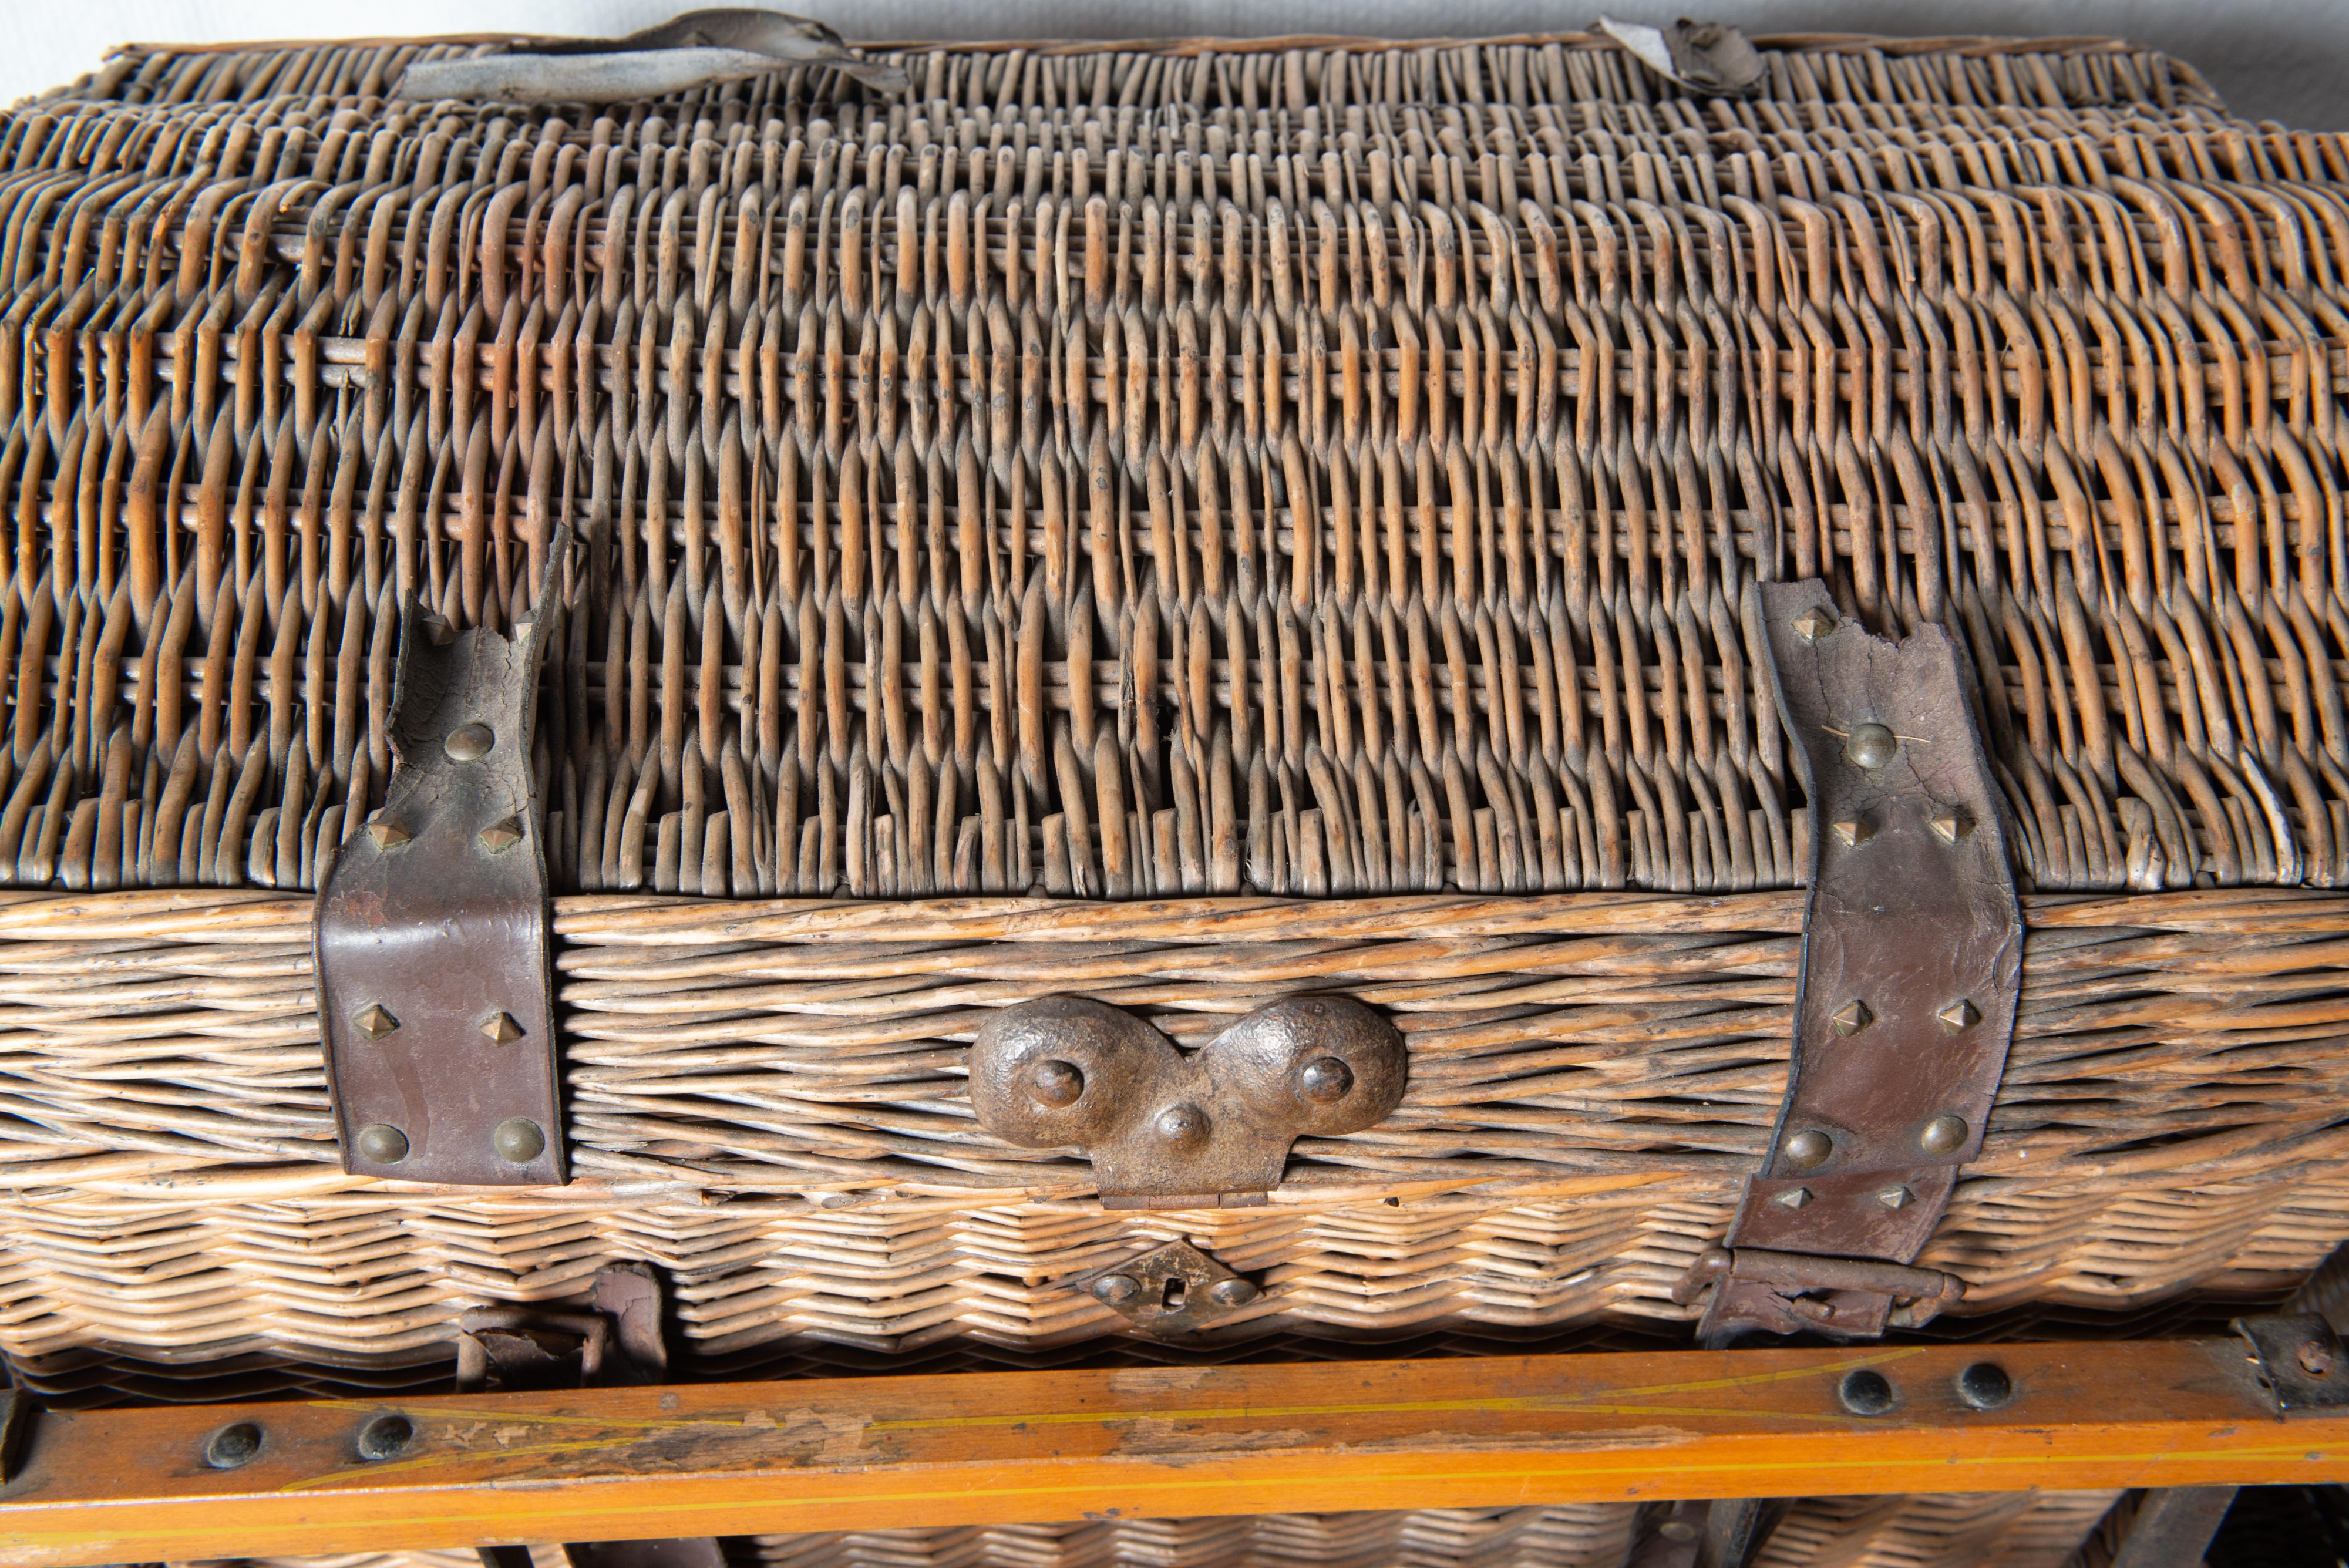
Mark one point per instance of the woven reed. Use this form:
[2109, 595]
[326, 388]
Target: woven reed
[1301, 468]
[2020, 1530]
[767, 1100]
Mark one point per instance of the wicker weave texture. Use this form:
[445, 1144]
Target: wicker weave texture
[1295, 467]
[767, 1101]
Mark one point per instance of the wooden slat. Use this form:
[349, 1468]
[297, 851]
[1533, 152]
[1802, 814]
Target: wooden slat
[876, 1453]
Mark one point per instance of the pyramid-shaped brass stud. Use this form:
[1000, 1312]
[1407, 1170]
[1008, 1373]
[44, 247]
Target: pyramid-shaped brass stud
[1852, 1017]
[1948, 827]
[1896, 1198]
[374, 1021]
[500, 1029]
[1959, 1014]
[1813, 624]
[387, 834]
[503, 833]
[1793, 1197]
[1853, 832]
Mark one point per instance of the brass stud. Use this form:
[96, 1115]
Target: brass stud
[1232, 1292]
[1944, 1135]
[1896, 1198]
[501, 834]
[500, 1029]
[1813, 624]
[1870, 747]
[1326, 1080]
[1793, 1197]
[374, 1021]
[1951, 825]
[1184, 1126]
[1808, 1148]
[388, 834]
[469, 743]
[1855, 832]
[518, 1140]
[381, 1144]
[1852, 1017]
[1959, 1016]
[1053, 1081]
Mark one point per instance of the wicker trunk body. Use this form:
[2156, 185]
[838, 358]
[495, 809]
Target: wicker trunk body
[1185, 523]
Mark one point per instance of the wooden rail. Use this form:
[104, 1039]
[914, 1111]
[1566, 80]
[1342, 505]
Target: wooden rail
[982, 1448]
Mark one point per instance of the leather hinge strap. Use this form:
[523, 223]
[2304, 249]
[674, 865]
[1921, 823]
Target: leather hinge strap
[433, 930]
[1911, 965]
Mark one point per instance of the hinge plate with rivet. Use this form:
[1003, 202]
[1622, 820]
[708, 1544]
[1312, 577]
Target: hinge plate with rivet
[434, 932]
[1913, 947]
[1171, 1129]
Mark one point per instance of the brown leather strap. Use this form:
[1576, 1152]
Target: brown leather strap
[1913, 959]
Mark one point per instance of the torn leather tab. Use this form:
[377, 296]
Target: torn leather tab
[1912, 962]
[699, 49]
[1711, 59]
[433, 934]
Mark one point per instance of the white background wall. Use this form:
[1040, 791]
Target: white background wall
[2282, 59]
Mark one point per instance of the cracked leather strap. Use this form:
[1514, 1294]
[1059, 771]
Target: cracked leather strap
[1913, 957]
[434, 932]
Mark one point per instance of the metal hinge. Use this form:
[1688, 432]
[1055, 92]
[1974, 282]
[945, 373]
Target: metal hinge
[433, 930]
[1173, 1130]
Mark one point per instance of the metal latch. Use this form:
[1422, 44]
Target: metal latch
[1172, 1289]
[433, 930]
[1171, 1129]
[1912, 963]
[2300, 1360]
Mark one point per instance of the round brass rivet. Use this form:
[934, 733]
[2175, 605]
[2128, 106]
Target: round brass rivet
[1870, 747]
[518, 1140]
[1943, 1135]
[1866, 1393]
[232, 1446]
[1808, 1148]
[469, 743]
[1326, 1080]
[1985, 1386]
[381, 1143]
[1231, 1293]
[385, 1437]
[1183, 1126]
[1117, 1289]
[1054, 1082]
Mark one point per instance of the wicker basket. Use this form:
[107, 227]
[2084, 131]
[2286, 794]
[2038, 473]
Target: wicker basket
[1187, 522]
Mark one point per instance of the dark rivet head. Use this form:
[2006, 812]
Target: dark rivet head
[500, 1029]
[1870, 747]
[1793, 1197]
[1326, 1080]
[1943, 1135]
[469, 743]
[1054, 1082]
[518, 1140]
[2315, 1357]
[1813, 624]
[388, 834]
[501, 834]
[386, 1437]
[1896, 1198]
[1184, 1126]
[1116, 1289]
[374, 1021]
[1852, 1017]
[1853, 831]
[232, 1446]
[1808, 1148]
[1231, 1293]
[1865, 1392]
[1677, 1530]
[1959, 1016]
[1985, 1386]
[380, 1143]
[1951, 825]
